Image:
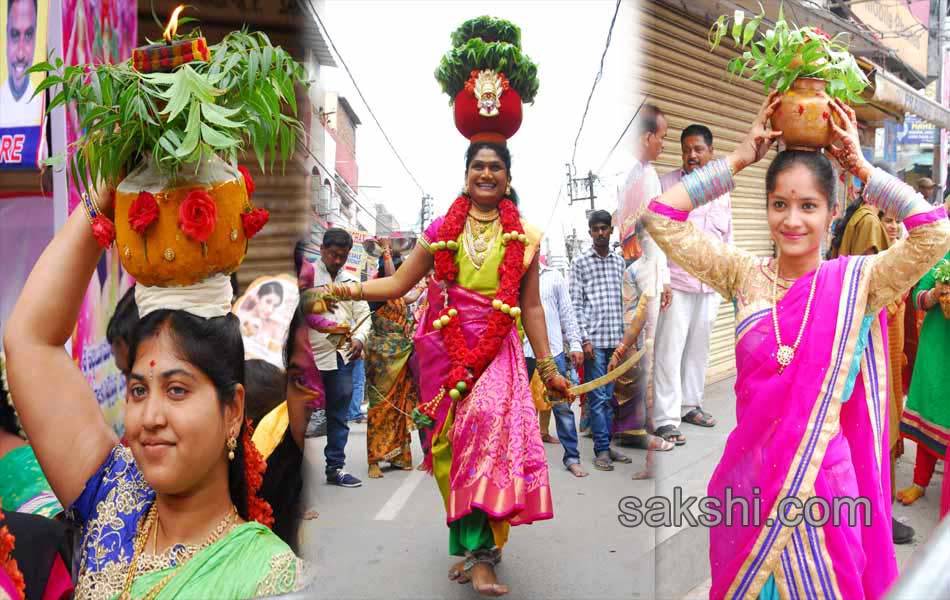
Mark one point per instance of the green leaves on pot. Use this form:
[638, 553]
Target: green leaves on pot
[784, 52]
[488, 29]
[244, 96]
[475, 55]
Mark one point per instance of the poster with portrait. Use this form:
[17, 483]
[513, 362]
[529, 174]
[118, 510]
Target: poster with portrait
[265, 311]
[22, 44]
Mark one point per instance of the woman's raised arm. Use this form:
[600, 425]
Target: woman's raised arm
[58, 409]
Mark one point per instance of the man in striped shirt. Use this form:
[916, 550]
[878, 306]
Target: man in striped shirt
[597, 294]
[561, 323]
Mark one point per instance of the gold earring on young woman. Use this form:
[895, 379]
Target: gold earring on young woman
[508, 190]
[232, 446]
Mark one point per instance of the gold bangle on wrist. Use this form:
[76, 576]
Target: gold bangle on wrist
[359, 290]
[547, 368]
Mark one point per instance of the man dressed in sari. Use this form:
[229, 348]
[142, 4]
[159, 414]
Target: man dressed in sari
[486, 450]
[811, 357]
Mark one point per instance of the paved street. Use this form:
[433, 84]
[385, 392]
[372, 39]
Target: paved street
[388, 539]
[392, 529]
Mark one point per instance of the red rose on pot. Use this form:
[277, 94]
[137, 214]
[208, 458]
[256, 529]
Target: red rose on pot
[103, 230]
[143, 212]
[197, 214]
[248, 182]
[254, 221]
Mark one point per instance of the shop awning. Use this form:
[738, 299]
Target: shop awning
[898, 97]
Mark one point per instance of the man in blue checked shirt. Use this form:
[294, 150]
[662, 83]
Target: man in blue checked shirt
[597, 294]
[561, 322]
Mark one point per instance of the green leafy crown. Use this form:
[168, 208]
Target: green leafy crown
[487, 43]
[202, 108]
[785, 52]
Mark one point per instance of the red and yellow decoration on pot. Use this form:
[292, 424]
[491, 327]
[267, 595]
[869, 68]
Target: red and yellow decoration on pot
[165, 129]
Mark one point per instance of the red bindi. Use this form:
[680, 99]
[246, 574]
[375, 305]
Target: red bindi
[151, 364]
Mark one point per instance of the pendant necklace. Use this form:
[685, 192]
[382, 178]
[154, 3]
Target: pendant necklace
[785, 353]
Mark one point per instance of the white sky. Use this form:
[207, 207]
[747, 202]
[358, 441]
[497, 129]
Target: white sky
[393, 47]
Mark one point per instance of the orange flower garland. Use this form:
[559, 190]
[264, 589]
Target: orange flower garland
[258, 509]
[7, 562]
[468, 364]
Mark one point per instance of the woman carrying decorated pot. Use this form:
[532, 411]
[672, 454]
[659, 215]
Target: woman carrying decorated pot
[811, 389]
[175, 512]
[486, 449]
[179, 503]
[926, 417]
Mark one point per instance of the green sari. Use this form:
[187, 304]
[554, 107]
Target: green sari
[23, 487]
[249, 562]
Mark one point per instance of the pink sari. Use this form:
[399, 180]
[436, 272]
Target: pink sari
[807, 433]
[497, 460]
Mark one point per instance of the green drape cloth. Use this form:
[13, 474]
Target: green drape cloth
[249, 562]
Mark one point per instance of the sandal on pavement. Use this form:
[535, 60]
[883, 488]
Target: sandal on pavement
[648, 441]
[671, 434]
[699, 417]
[620, 458]
[603, 462]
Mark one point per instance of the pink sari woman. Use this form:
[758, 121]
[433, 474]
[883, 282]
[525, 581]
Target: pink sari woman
[811, 390]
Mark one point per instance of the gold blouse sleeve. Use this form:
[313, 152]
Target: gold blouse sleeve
[534, 241]
[900, 267]
[717, 264]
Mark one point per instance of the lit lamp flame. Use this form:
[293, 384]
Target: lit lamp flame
[172, 29]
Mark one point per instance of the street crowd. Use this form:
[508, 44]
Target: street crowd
[636, 323]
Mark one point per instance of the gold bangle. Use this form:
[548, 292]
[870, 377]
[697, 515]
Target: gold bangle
[359, 289]
[83, 199]
[547, 368]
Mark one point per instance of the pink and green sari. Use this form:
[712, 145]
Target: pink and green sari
[486, 455]
[817, 430]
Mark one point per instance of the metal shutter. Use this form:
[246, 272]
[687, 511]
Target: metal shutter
[687, 82]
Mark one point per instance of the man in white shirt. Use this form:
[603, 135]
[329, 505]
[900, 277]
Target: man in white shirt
[336, 365]
[642, 186]
[16, 92]
[561, 322]
[682, 340]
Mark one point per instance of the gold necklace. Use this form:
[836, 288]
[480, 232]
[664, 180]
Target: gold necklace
[478, 238]
[141, 539]
[786, 354]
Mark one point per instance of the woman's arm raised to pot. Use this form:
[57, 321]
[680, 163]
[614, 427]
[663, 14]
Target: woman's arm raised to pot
[58, 409]
[896, 269]
[689, 192]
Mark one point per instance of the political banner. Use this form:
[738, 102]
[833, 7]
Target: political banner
[22, 115]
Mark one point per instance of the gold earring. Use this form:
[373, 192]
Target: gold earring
[508, 190]
[232, 446]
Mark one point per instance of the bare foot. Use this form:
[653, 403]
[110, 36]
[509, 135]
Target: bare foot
[309, 515]
[374, 471]
[577, 470]
[421, 467]
[641, 475]
[401, 465]
[547, 438]
[485, 582]
[457, 572]
[911, 494]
